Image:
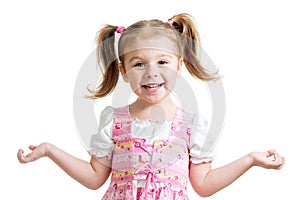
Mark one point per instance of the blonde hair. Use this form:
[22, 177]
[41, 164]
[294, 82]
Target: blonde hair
[180, 29]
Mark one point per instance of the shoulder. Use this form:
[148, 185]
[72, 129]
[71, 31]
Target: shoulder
[124, 110]
[106, 116]
[184, 116]
[109, 113]
[200, 127]
[195, 119]
[109, 110]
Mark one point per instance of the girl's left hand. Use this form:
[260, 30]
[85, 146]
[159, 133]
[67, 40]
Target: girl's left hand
[269, 160]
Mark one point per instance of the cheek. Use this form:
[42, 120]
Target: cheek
[171, 75]
[170, 78]
[133, 80]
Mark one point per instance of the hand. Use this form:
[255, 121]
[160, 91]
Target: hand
[269, 160]
[36, 153]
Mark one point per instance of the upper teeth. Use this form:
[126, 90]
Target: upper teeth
[152, 85]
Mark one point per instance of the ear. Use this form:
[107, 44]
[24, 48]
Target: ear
[179, 68]
[123, 72]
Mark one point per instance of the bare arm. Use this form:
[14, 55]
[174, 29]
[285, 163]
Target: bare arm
[91, 174]
[207, 181]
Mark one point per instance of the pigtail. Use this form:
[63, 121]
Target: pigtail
[106, 57]
[184, 24]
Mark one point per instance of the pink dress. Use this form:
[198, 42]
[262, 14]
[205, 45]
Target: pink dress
[149, 159]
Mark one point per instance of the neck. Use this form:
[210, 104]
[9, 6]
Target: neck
[144, 110]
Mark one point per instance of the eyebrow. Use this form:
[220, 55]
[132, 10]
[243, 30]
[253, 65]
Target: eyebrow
[135, 57]
[141, 58]
[164, 55]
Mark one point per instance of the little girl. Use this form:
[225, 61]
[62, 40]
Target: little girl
[151, 148]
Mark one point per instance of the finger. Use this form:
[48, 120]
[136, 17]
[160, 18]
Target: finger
[278, 161]
[32, 147]
[281, 164]
[271, 152]
[21, 151]
[277, 156]
[19, 154]
[21, 157]
[28, 158]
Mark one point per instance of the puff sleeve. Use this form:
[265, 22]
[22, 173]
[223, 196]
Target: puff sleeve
[201, 144]
[101, 143]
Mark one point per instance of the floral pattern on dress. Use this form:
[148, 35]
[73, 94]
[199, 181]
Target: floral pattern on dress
[143, 170]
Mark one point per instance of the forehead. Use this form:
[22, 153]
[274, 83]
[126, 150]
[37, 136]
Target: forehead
[152, 44]
[148, 53]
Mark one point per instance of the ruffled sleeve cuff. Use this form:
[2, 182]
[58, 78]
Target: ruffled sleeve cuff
[201, 145]
[101, 144]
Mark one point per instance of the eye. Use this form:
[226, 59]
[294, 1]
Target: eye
[139, 64]
[162, 62]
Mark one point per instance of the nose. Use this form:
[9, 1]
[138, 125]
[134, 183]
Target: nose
[151, 71]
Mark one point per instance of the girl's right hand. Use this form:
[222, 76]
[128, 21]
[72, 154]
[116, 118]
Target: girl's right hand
[36, 153]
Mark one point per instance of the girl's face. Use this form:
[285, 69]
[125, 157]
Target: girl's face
[152, 70]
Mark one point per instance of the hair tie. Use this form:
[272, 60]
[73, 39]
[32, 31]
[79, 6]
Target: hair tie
[120, 29]
[170, 22]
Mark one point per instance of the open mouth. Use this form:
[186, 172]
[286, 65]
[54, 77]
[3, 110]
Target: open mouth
[152, 87]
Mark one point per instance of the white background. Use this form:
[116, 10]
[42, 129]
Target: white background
[44, 44]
